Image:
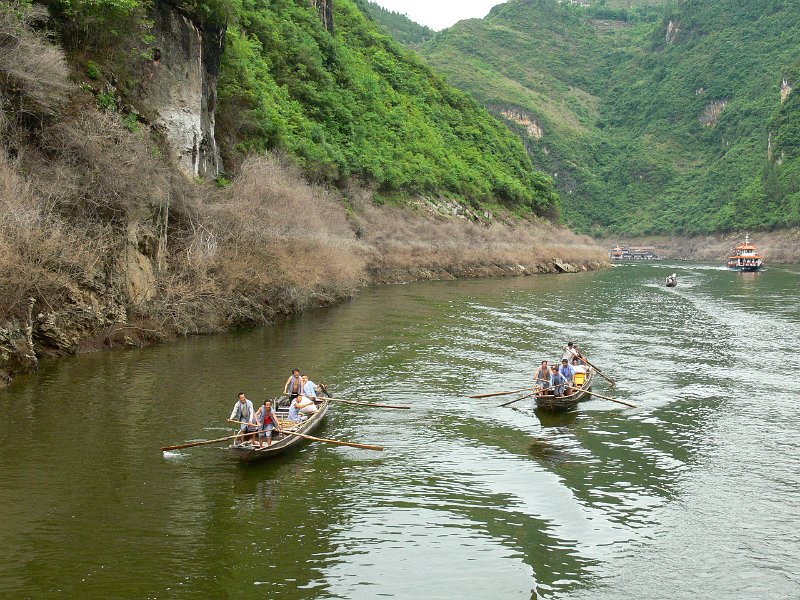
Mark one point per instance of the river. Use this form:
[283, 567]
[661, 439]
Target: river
[694, 494]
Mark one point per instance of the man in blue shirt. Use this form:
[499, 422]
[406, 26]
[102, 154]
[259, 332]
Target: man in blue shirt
[567, 370]
[557, 381]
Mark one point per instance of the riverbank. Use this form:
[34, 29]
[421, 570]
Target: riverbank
[266, 247]
[777, 247]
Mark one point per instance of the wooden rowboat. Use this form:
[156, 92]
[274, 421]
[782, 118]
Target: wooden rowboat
[550, 402]
[282, 442]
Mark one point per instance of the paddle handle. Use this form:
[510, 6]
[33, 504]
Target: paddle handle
[599, 372]
[203, 443]
[516, 400]
[340, 443]
[366, 403]
[500, 393]
[631, 404]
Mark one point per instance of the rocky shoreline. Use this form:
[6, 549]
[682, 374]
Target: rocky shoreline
[87, 327]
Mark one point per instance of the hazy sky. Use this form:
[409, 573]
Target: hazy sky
[438, 14]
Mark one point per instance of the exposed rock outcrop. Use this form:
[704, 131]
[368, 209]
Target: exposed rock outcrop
[672, 31]
[180, 95]
[712, 112]
[786, 89]
[520, 117]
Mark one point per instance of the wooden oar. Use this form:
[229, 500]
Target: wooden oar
[599, 372]
[631, 404]
[316, 439]
[517, 400]
[203, 443]
[500, 393]
[327, 441]
[362, 403]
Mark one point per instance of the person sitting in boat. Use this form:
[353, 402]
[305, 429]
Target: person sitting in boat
[557, 381]
[243, 415]
[294, 385]
[309, 388]
[300, 408]
[568, 372]
[570, 351]
[578, 366]
[267, 422]
[542, 377]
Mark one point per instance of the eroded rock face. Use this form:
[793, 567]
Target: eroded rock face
[786, 89]
[712, 112]
[672, 31]
[180, 95]
[531, 125]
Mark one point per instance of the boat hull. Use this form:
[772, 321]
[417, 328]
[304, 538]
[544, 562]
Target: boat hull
[745, 269]
[550, 403]
[251, 453]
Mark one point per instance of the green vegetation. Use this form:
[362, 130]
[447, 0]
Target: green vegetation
[403, 29]
[358, 105]
[646, 129]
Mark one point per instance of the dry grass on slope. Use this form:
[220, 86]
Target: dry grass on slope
[268, 244]
[408, 240]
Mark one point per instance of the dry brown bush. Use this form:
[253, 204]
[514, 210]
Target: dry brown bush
[99, 171]
[272, 228]
[41, 256]
[32, 70]
[405, 239]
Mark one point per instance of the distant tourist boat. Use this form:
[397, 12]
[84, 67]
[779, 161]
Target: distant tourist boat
[745, 257]
[619, 253]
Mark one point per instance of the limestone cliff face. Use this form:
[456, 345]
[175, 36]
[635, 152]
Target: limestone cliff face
[712, 112]
[526, 120]
[786, 89]
[180, 93]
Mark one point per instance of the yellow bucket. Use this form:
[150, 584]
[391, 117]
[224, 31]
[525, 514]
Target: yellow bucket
[580, 378]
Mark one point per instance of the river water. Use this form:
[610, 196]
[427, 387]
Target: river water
[694, 494]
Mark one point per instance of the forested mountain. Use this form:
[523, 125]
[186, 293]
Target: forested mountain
[402, 28]
[355, 103]
[659, 118]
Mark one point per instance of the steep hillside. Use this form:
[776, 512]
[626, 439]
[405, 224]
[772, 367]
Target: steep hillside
[403, 29]
[356, 104]
[651, 120]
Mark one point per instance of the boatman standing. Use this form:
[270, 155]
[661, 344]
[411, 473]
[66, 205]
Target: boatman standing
[294, 385]
[243, 414]
[570, 351]
[542, 376]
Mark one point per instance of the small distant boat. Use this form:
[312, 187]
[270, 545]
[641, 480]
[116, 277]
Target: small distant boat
[745, 257]
[551, 402]
[672, 280]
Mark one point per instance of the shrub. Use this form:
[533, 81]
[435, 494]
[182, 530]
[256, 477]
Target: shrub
[93, 70]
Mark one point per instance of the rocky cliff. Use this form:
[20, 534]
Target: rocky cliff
[180, 89]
